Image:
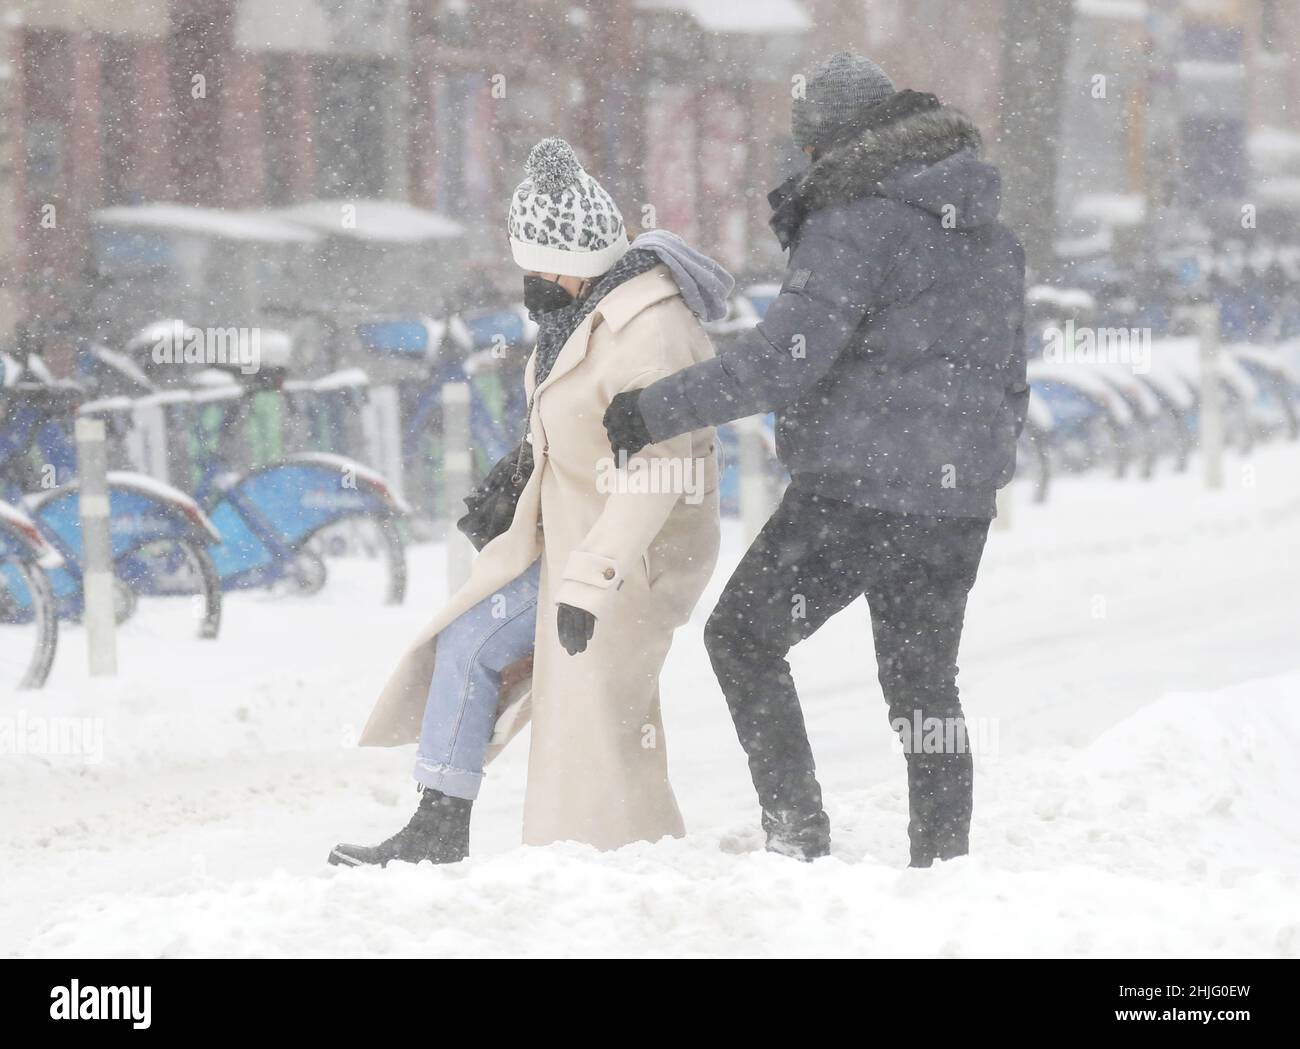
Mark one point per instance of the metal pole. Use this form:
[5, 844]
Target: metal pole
[1211, 415]
[97, 574]
[456, 479]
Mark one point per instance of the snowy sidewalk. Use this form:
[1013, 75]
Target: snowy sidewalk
[1131, 648]
[1172, 835]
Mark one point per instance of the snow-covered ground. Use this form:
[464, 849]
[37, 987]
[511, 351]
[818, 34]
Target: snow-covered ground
[1131, 662]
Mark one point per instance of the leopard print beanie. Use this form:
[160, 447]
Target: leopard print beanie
[561, 219]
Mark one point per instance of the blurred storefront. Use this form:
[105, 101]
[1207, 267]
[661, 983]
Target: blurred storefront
[681, 107]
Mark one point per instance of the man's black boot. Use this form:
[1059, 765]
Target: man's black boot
[805, 838]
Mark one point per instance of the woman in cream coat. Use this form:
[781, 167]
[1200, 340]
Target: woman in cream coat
[602, 560]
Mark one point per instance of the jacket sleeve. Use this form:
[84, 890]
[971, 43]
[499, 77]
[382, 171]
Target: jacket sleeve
[831, 283]
[627, 525]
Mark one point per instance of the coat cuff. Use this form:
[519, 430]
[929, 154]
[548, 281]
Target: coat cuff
[589, 581]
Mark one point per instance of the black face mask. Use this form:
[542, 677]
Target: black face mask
[542, 296]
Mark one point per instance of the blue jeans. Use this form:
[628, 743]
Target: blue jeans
[461, 710]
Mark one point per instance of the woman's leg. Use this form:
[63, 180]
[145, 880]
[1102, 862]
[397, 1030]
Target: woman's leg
[458, 719]
[461, 710]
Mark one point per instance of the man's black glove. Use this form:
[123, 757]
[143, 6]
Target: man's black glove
[625, 424]
[576, 625]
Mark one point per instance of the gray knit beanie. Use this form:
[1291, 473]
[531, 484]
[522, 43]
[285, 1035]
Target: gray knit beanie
[834, 97]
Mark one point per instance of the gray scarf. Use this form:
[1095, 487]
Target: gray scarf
[555, 326]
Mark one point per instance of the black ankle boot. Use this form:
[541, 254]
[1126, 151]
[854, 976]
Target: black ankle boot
[805, 838]
[438, 832]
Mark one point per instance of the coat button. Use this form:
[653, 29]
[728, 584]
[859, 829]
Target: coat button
[608, 573]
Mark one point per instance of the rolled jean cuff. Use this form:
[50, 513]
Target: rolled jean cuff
[454, 782]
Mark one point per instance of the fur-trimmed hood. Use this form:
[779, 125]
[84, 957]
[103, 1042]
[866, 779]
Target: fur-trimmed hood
[928, 159]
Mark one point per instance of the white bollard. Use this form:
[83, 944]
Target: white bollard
[1005, 500]
[96, 542]
[756, 503]
[1211, 413]
[146, 441]
[382, 428]
[456, 479]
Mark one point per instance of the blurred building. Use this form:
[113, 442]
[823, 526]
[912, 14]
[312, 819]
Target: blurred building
[679, 106]
[1195, 136]
[244, 105]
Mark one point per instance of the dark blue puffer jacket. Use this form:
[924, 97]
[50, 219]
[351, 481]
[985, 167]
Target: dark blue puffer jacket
[893, 355]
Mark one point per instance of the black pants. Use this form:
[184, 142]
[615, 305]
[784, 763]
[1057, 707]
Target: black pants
[812, 559]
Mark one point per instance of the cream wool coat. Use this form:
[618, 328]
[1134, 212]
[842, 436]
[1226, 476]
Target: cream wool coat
[637, 559]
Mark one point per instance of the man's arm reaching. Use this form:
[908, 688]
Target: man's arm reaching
[830, 284]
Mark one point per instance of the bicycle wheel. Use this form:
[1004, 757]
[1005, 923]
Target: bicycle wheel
[1033, 465]
[170, 569]
[366, 558]
[396, 550]
[29, 626]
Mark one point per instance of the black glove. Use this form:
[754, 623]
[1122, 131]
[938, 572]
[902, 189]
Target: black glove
[576, 625]
[625, 424]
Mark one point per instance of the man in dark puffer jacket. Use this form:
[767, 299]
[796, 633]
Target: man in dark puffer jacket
[894, 359]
